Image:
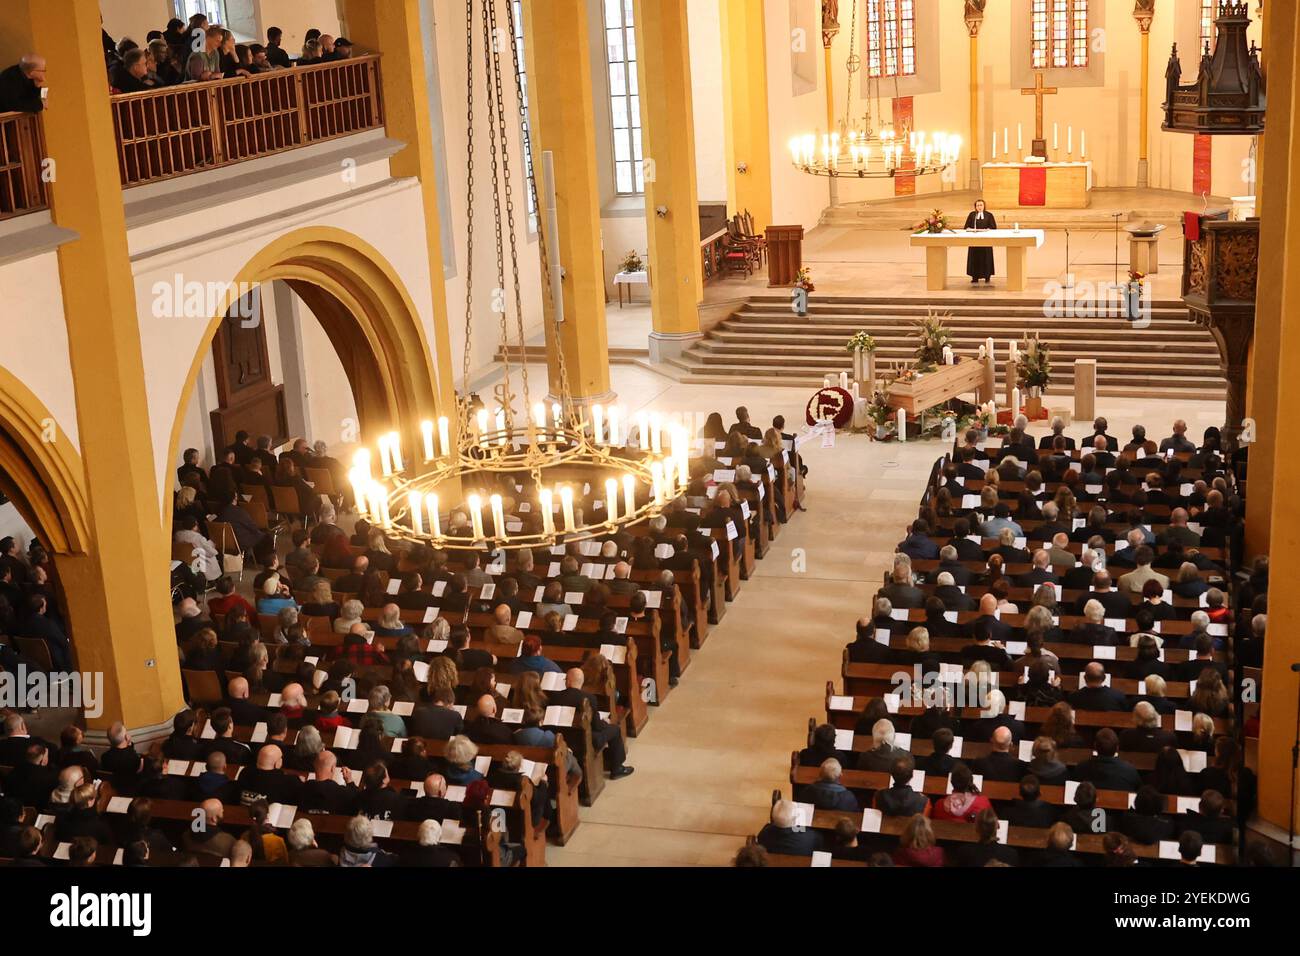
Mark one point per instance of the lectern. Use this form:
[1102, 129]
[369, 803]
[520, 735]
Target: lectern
[784, 254]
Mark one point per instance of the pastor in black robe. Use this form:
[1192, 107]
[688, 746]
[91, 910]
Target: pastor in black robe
[979, 259]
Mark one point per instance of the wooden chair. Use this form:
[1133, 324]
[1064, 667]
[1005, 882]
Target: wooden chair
[202, 687]
[285, 502]
[37, 651]
[223, 535]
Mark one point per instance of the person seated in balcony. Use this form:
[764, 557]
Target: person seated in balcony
[230, 63]
[164, 66]
[22, 85]
[311, 53]
[205, 64]
[257, 59]
[275, 54]
[342, 50]
[326, 47]
[132, 74]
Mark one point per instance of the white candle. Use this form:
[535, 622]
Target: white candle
[482, 425]
[902, 425]
[1020, 141]
[611, 499]
[1006, 141]
[995, 144]
[1056, 136]
[844, 379]
[359, 481]
[444, 434]
[855, 391]
[501, 426]
[1069, 140]
[385, 456]
[413, 501]
[435, 520]
[614, 415]
[947, 355]
[1083, 144]
[426, 430]
[826, 381]
[641, 428]
[566, 505]
[629, 494]
[361, 462]
[1015, 401]
[548, 510]
[988, 349]
[395, 448]
[377, 495]
[498, 516]
[680, 452]
[476, 516]
[655, 423]
[555, 413]
[657, 478]
[597, 423]
[539, 419]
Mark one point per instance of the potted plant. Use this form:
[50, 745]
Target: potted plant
[1132, 302]
[632, 262]
[933, 224]
[803, 282]
[932, 336]
[882, 417]
[1033, 372]
[863, 347]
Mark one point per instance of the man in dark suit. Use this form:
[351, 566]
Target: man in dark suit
[828, 793]
[953, 597]
[940, 761]
[32, 777]
[1039, 573]
[1146, 736]
[1094, 631]
[752, 432]
[1113, 603]
[865, 649]
[605, 737]
[244, 712]
[13, 746]
[1058, 428]
[783, 835]
[432, 804]
[950, 561]
[22, 85]
[437, 720]
[223, 725]
[484, 726]
[1000, 763]
[1209, 821]
[1094, 694]
[918, 544]
[327, 795]
[967, 550]
[1191, 669]
[1080, 577]
[1099, 427]
[41, 626]
[1107, 771]
[900, 800]
[901, 592]
[967, 470]
[1031, 810]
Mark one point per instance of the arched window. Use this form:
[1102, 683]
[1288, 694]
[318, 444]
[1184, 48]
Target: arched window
[1059, 34]
[518, 18]
[624, 98]
[891, 38]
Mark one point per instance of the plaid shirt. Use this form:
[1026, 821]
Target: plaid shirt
[365, 655]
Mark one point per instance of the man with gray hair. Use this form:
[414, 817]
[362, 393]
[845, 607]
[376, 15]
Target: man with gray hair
[621, 582]
[1094, 630]
[359, 847]
[902, 593]
[950, 561]
[828, 793]
[1059, 553]
[303, 851]
[1040, 571]
[787, 834]
[429, 849]
[22, 86]
[1146, 735]
[882, 753]
[120, 759]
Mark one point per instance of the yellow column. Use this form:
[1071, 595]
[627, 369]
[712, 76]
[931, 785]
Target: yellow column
[1261, 396]
[671, 198]
[1277, 365]
[744, 110]
[561, 115]
[117, 594]
[1144, 122]
[392, 27]
[974, 105]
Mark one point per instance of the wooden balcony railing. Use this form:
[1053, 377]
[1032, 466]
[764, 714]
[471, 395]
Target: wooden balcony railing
[711, 250]
[22, 146]
[194, 127]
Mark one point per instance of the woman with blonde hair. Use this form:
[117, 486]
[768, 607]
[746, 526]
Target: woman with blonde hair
[598, 673]
[322, 603]
[349, 614]
[917, 845]
[442, 673]
[772, 446]
[459, 755]
[527, 691]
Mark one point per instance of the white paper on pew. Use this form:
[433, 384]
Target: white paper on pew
[842, 703]
[663, 551]
[63, 851]
[525, 619]
[553, 680]
[1189, 804]
[1193, 760]
[949, 673]
[1191, 687]
[1169, 850]
[654, 599]
[1116, 624]
[903, 741]
[950, 617]
[882, 635]
[208, 732]
[514, 526]
[394, 585]
[313, 661]
[381, 829]
[1121, 544]
[557, 549]
[525, 507]
[456, 794]
[974, 537]
[120, 855]
[1155, 627]
[534, 770]
[1102, 652]
[502, 798]
[732, 533]
[589, 548]
[274, 700]
[892, 702]
[1217, 630]
[453, 834]
[1092, 490]
[803, 814]
[558, 716]
[977, 778]
[716, 552]
[1003, 827]
[553, 571]
[346, 738]
[593, 571]
[436, 647]
[1142, 688]
[403, 708]
[503, 689]
[899, 614]
[259, 732]
[820, 858]
[1020, 543]
[762, 492]
[487, 590]
[1183, 721]
[572, 597]
[115, 805]
[724, 474]
[1016, 648]
[570, 622]
[1071, 788]
[399, 744]
[459, 708]
[1079, 523]
[918, 780]
[420, 670]
[970, 501]
[744, 509]
[483, 763]
[1203, 600]
[1026, 750]
[198, 767]
[871, 821]
[1016, 709]
[620, 625]
[358, 705]
[843, 741]
[603, 715]
[614, 653]
[280, 815]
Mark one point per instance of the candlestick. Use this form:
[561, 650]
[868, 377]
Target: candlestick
[1020, 142]
[641, 420]
[615, 414]
[498, 516]
[385, 456]
[657, 479]
[902, 425]
[566, 505]
[395, 449]
[476, 516]
[1069, 140]
[548, 510]
[413, 506]
[359, 482]
[426, 431]
[435, 520]
[444, 435]
[654, 432]
[482, 417]
[1015, 402]
[597, 423]
[629, 494]
[611, 499]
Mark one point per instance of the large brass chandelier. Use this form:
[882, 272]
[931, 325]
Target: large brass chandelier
[873, 148]
[540, 473]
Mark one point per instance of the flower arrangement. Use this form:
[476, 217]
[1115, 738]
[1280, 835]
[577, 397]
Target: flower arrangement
[632, 262]
[882, 416]
[934, 223]
[1135, 276]
[932, 336]
[1033, 364]
[861, 342]
[803, 279]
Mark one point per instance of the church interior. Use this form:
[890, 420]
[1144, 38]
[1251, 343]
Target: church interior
[647, 433]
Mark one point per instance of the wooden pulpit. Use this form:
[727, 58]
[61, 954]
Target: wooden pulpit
[784, 254]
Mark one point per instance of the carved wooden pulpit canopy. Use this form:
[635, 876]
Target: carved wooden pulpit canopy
[1228, 95]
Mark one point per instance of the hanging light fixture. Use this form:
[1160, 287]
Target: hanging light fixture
[871, 149]
[512, 476]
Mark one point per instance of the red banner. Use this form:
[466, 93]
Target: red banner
[1201, 154]
[904, 185]
[1033, 186]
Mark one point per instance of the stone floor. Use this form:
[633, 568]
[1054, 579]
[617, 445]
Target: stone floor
[711, 755]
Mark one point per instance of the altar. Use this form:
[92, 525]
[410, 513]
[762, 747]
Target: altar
[1017, 242]
[1011, 185]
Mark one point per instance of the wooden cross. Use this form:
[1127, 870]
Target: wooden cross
[1038, 91]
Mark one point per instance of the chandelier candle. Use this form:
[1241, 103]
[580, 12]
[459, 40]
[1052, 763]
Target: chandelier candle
[426, 430]
[611, 498]
[498, 516]
[417, 519]
[566, 505]
[476, 516]
[547, 509]
[597, 423]
[435, 521]
[444, 435]
[629, 494]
